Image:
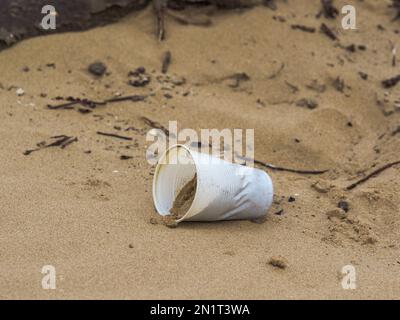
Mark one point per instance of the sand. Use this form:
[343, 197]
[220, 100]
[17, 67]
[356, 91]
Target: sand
[90, 214]
[184, 199]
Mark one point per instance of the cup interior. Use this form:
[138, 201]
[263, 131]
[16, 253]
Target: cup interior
[175, 168]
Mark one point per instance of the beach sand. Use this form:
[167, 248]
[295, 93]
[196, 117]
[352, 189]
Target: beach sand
[90, 214]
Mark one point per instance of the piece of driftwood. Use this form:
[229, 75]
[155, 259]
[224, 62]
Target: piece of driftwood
[20, 19]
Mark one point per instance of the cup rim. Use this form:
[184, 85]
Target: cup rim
[156, 176]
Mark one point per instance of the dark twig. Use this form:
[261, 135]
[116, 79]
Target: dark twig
[328, 32]
[278, 168]
[68, 105]
[134, 98]
[61, 141]
[160, 6]
[113, 135]
[155, 125]
[372, 174]
[303, 28]
[166, 62]
[93, 104]
[68, 142]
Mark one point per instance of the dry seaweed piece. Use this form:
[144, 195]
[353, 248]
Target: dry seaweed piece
[61, 141]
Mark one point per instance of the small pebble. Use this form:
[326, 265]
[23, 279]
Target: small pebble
[97, 68]
[344, 205]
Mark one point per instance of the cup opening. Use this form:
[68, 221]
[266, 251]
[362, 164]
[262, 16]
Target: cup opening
[171, 176]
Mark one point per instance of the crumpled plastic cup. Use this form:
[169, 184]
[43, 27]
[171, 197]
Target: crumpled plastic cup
[224, 191]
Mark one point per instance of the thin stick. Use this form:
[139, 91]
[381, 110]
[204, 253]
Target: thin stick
[94, 104]
[62, 141]
[372, 174]
[68, 142]
[160, 7]
[155, 125]
[113, 135]
[278, 168]
[134, 98]
[68, 105]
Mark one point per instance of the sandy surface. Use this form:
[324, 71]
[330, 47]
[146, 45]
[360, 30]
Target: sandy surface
[89, 214]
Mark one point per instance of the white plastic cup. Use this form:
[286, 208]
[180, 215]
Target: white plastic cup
[225, 190]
